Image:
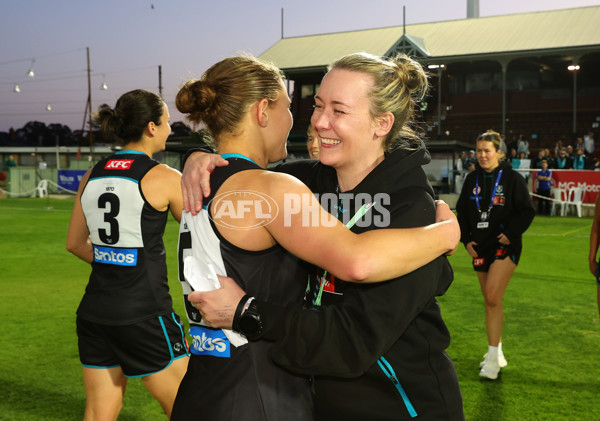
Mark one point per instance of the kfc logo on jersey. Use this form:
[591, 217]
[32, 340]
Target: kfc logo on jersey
[118, 164]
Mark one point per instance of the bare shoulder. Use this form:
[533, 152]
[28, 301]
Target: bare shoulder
[278, 183]
[165, 171]
[264, 180]
[162, 173]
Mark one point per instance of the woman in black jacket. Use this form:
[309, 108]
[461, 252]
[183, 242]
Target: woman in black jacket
[494, 210]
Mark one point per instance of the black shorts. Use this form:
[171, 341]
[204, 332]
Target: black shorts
[482, 263]
[140, 349]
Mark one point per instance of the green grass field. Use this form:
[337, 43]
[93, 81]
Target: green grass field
[551, 336]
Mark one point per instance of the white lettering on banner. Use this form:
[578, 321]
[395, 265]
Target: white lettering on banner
[595, 188]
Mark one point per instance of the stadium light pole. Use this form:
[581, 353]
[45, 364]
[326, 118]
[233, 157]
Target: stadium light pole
[504, 64]
[160, 87]
[89, 105]
[574, 68]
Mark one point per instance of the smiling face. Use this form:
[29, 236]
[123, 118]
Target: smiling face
[487, 155]
[346, 131]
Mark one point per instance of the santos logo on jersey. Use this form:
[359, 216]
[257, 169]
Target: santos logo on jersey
[209, 342]
[118, 164]
[114, 256]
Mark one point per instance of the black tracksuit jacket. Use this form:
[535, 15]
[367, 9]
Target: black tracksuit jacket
[512, 213]
[363, 331]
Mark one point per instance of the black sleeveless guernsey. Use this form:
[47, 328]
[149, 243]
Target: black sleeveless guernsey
[225, 382]
[128, 282]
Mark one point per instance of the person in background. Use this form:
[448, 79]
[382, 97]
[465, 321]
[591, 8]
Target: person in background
[513, 144]
[570, 152]
[515, 162]
[544, 188]
[10, 163]
[589, 143]
[126, 324]
[494, 209]
[563, 161]
[594, 244]
[461, 161]
[579, 160]
[537, 162]
[578, 144]
[522, 147]
[471, 160]
[558, 145]
[548, 157]
[503, 146]
[312, 143]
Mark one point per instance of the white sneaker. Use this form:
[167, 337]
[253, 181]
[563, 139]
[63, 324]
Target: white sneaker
[490, 368]
[501, 360]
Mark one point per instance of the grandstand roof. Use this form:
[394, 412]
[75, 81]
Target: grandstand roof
[567, 31]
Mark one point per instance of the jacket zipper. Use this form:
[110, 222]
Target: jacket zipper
[389, 372]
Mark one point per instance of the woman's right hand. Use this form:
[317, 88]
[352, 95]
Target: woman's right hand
[471, 249]
[195, 179]
[218, 307]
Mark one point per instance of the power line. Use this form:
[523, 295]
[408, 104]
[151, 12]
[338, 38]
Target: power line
[39, 57]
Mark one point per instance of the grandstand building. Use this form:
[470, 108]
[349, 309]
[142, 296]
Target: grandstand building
[534, 74]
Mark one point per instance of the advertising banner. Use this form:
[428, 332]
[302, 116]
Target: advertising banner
[70, 179]
[588, 180]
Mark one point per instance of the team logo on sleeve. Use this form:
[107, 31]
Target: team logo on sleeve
[118, 164]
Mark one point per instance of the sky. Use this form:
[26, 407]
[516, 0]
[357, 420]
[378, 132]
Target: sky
[129, 39]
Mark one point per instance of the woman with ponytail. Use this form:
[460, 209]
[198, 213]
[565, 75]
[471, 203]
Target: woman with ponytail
[126, 324]
[494, 210]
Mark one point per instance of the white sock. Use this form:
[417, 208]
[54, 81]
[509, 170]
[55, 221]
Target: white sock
[499, 348]
[492, 351]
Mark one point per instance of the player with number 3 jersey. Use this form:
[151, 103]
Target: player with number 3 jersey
[125, 322]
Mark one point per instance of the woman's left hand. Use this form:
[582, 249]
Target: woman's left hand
[503, 239]
[218, 307]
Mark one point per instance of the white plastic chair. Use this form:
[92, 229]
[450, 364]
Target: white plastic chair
[575, 198]
[42, 188]
[559, 200]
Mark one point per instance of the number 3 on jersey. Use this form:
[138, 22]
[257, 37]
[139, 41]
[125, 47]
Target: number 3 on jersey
[110, 202]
